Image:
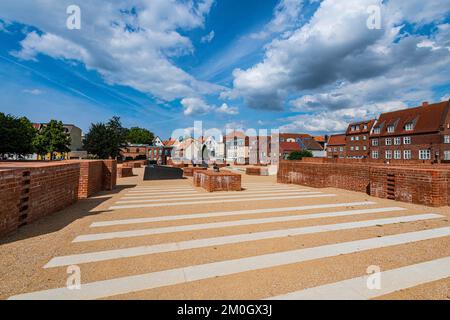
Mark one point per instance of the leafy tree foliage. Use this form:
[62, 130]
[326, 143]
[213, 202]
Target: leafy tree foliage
[16, 135]
[140, 136]
[299, 155]
[106, 140]
[52, 138]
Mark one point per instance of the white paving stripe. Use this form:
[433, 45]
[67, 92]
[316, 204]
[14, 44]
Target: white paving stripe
[258, 235]
[201, 194]
[248, 222]
[391, 281]
[137, 206]
[207, 197]
[124, 285]
[161, 193]
[202, 243]
[227, 214]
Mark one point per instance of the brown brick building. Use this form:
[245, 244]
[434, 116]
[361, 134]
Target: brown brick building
[421, 133]
[337, 146]
[357, 139]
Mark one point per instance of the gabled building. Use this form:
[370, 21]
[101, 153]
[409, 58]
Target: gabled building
[358, 139]
[237, 148]
[421, 133]
[336, 147]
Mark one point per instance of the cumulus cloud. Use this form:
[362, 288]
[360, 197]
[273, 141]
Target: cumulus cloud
[129, 42]
[329, 60]
[209, 37]
[225, 109]
[337, 121]
[195, 106]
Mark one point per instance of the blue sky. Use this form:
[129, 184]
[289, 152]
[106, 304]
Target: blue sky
[299, 65]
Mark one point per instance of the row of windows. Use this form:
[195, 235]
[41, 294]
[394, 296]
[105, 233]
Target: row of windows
[391, 128]
[358, 138]
[396, 141]
[358, 127]
[407, 155]
[335, 149]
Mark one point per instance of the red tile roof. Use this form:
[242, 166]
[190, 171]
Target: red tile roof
[289, 146]
[426, 119]
[369, 124]
[337, 140]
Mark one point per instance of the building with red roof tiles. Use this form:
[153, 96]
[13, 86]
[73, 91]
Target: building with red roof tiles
[286, 148]
[336, 147]
[421, 133]
[358, 139]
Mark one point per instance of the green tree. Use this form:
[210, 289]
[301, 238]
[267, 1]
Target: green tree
[140, 136]
[52, 138]
[16, 135]
[105, 140]
[299, 155]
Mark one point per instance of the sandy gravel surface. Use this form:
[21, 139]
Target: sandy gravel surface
[24, 254]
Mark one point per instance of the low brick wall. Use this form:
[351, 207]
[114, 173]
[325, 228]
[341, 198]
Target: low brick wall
[324, 175]
[32, 190]
[426, 185]
[124, 172]
[134, 164]
[257, 171]
[217, 181]
[421, 186]
[189, 172]
[28, 194]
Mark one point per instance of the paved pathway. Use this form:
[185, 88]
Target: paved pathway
[168, 240]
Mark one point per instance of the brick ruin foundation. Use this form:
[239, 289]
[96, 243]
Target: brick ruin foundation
[32, 190]
[217, 181]
[419, 184]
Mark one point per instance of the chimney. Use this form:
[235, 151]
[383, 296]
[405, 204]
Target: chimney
[425, 104]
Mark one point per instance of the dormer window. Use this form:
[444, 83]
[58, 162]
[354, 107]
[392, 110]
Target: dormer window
[409, 126]
[377, 130]
[357, 127]
[391, 128]
[353, 128]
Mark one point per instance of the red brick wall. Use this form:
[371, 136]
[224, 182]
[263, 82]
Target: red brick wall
[217, 181]
[353, 177]
[189, 172]
[29, 194]
[32, 190]
[109, 174]
[124, 172]
[427, 185]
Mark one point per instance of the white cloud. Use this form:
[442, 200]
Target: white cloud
[285, 17]
[195, 106]
[335, 61]
[225, 109]
[208, 38]
[35, 92]
[129, 42]
[338, 120]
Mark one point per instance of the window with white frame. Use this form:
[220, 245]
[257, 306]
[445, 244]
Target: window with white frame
[377, 130]
[407, 140]
[335, 149]
[365, 127]
[341, 149]
[365, 138]
[357, 148]
[388, 154]
[409, 126]
[447, 139]
[388, 142]
[447, 155]
[397, 141]
[425, 154]
[357, 127]
[365, 148]
[352, 139]
[391, 128]
[407, 155]
[357, 138]
[352, 148]
[353, 128]
[397, 154]
[375, 142]
[375, 154]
